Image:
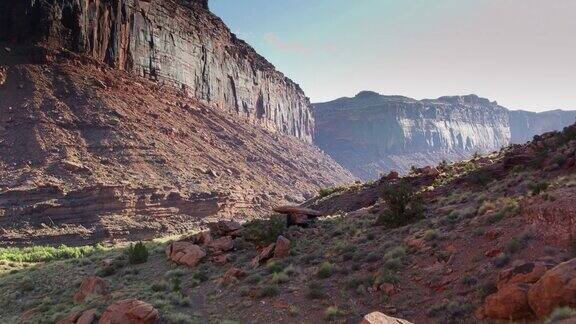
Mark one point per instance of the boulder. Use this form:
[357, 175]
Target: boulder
[524, 272]
[510, 302]
[232, 275]
[220, 245]
[90, 286]
[379, 318]
[556, 288]
[185, 253]
[130, 311]
[224, 227]
[202, 238]
[265, 255]
[85, 317]
[282, 248]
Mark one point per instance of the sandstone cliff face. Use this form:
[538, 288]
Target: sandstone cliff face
[90, 153]
[175, 41]
[370, 133]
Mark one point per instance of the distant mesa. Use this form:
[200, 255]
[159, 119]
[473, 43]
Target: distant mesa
[371, 134]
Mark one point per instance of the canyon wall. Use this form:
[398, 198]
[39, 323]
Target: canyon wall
[174, 41]
[371, 134]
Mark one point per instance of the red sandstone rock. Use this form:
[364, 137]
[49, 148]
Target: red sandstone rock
[282, 248]
[263, 256]
[232, 275]
[510, 302]
[393, 175]
[130, 311]
[224, 227]
[90, 286]
[185, 253]
[557, 287]
[220, 245]
[525, 272]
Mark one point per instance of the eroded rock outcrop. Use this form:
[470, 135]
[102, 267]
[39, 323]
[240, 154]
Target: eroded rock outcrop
[174, 41]
[130, 311]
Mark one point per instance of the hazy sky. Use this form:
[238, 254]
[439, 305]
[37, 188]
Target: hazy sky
[521, 53]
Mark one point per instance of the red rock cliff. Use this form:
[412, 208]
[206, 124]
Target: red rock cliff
[176, 41]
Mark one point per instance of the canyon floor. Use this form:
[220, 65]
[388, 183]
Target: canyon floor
[494, 222]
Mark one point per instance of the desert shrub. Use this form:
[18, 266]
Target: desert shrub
[385, 276]
[479, 178]
[404, 206]
[469, 280]
[178, 318]
[332, 313]
[265, 231]
[315, 291]
[137, 253]
[501, 260]
[280, 278]
[518, 243]
[485, 289]
[451, 312]
[267, 291]
[325, 270]
[561, 314]
[45, 253]
[274, 266]
[112, 267]
[431, 235]
[325, 192]
[538, 187]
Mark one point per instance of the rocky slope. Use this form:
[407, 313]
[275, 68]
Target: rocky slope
[93, 153]
[175, 41]
[493, 242]
[370, 134]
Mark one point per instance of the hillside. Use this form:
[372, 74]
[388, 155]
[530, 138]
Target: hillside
[491, 244]
[372, 134]
[97, 148]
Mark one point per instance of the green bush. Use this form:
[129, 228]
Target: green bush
[538, 187]
[332, 313]
[45, 253]
[561, 314]
[268, 291]
[265, 231]
[315, 291]
[325, 271]
[404, 206]
[325, 192]
[137, 253]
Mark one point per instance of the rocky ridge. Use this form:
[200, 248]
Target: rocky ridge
[372, 134]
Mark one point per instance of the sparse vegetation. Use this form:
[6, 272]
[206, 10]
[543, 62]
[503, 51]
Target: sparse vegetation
[325, 270]
[270, 290]
[137, 253]
[538, 187]
[265, 231]
[325, 192]
[561, 314]
[332, 313]
[404, 206]
[46, 253]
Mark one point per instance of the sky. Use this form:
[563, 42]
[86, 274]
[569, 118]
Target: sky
[520, 53]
